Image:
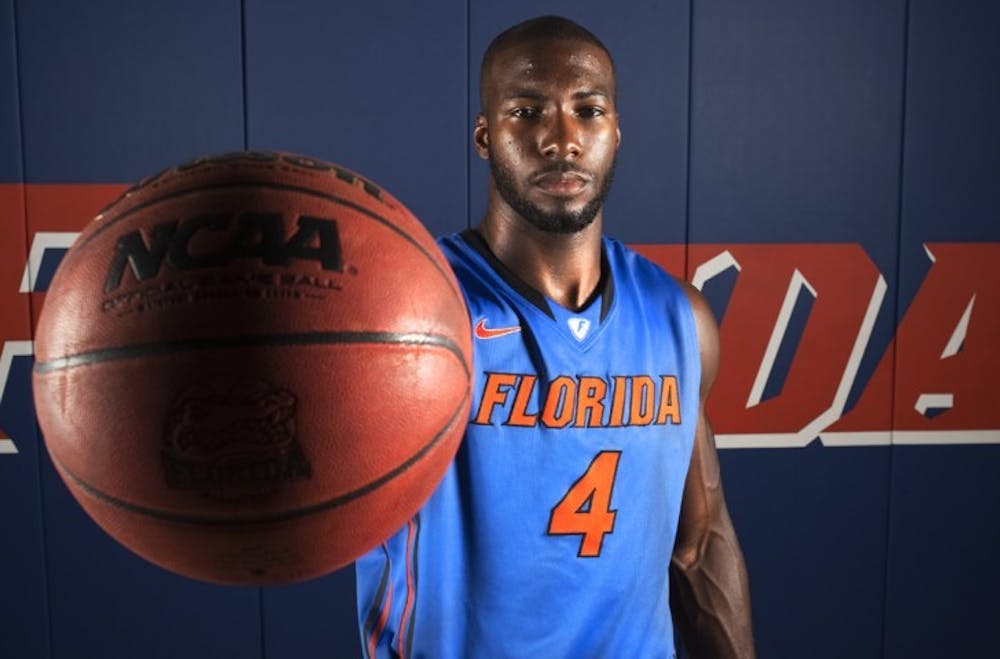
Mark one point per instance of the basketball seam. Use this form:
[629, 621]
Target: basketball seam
[275, 186]
[119, 353]
[270, 518]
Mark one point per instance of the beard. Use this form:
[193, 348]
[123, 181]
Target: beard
[562, 220]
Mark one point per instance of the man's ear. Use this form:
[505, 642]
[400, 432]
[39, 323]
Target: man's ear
[481, 137]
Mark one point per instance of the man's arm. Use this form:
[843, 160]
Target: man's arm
[709, 589]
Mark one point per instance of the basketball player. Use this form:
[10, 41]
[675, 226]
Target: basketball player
[585, 498]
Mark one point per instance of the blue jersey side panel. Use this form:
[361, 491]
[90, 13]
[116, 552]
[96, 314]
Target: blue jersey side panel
[494, 565]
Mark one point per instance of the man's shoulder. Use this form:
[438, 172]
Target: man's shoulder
[482, 287]
[447, 242]
[456, 251]
[627, 262]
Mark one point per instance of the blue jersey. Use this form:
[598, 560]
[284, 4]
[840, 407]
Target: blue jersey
[551, 533]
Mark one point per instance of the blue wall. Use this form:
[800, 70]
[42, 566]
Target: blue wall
[782, 129]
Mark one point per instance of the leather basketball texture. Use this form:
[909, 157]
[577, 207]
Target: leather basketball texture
[253, 368]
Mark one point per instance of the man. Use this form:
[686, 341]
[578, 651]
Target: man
[560, 529]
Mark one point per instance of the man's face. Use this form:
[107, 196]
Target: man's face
[550, 131]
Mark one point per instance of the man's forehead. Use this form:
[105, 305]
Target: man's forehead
[538, 60]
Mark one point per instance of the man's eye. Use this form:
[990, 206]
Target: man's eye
[591, 112]
[525, 113]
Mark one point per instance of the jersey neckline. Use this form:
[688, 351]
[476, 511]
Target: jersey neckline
[605, 289]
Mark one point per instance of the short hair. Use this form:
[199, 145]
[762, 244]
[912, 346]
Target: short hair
[541, 28]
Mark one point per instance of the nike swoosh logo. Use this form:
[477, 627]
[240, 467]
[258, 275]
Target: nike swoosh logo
[484, 332]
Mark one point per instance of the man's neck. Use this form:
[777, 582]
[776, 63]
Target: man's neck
[564, 267]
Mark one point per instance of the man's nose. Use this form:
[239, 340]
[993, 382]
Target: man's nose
[561, 137]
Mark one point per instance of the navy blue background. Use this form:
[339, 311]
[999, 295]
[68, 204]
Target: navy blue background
[860, 121]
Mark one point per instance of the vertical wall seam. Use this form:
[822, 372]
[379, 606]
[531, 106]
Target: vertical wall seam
[687, 155]
[896, 319]
[468, 114]
[243, 67]
[260, 609]
[246, 146]
[18, 78]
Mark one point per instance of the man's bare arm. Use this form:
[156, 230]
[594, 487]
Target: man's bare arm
[710, 592]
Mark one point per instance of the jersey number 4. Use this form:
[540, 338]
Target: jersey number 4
[585, 509]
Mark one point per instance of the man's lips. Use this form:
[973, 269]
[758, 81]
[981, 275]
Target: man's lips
[560, 183]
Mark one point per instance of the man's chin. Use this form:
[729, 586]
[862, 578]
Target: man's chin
[559, 223]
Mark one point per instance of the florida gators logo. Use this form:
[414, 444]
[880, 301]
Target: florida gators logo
[232, 439]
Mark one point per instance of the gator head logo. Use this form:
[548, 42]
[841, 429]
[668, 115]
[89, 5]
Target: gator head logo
[233, 440]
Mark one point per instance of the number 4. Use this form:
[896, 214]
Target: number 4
[585, 509]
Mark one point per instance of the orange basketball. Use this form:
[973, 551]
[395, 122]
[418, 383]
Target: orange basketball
[253, 368]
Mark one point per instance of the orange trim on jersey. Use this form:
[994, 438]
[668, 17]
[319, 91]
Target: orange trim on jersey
[383, 619]
[411, 535]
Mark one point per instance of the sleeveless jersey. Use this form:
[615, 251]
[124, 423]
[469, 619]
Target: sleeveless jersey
[552, 531]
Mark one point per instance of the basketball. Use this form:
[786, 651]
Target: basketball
[253, 368]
